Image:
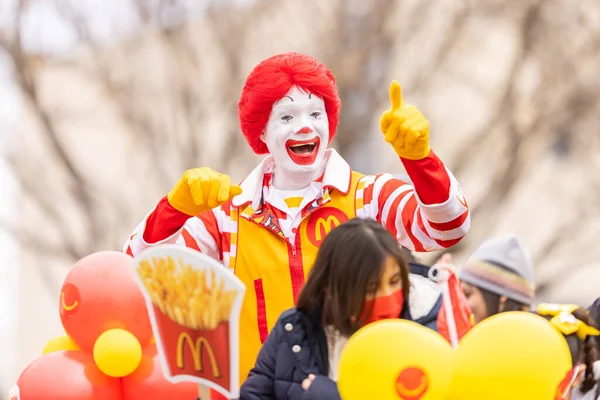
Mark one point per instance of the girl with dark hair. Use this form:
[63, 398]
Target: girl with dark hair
[578, 328]
[360, 276]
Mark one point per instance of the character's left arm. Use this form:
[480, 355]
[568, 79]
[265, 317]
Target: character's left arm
[428, 216]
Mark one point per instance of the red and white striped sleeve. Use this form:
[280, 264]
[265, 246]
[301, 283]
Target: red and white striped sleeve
[165, 225]
[430, 215]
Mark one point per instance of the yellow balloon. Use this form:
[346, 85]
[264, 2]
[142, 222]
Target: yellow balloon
[513, 355]
[395, 359]
[117, 353]
[59, 343]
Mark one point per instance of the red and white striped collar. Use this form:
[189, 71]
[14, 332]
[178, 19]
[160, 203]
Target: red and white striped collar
[337, 176]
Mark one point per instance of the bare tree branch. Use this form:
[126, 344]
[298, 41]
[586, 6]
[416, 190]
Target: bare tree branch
[360, 60]
[25, 76]
[165, 113]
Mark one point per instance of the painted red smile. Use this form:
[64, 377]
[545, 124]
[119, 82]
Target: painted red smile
[303, 152]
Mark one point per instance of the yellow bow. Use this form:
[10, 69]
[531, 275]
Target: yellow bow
[564, 320]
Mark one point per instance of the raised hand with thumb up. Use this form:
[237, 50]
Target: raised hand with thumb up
[404, 127]
[201, 189]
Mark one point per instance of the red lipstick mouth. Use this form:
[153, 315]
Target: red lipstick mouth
[303, 152]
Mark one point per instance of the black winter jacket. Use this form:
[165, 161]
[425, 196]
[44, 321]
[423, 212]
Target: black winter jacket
[295, 348]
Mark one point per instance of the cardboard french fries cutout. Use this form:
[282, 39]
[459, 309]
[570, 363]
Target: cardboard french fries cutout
[194, 305]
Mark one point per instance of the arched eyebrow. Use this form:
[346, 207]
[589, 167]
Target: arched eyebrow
[289, 97]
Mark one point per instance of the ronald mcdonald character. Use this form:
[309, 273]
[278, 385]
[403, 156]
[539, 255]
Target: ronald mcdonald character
[268, 229]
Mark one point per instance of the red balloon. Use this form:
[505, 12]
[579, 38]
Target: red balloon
[67, 375]
[148, 382]
[100, 293]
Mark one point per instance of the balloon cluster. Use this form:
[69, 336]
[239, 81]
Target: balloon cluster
[109, 351]
[513, 355]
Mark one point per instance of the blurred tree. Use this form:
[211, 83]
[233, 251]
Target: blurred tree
[170, 91]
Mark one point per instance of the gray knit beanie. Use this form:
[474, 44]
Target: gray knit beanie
[502, 266]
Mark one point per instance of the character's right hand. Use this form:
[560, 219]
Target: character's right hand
[201, 189]
[308, 381]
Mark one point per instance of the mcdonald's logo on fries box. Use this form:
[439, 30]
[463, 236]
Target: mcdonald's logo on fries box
[202, 353]
[194, 305]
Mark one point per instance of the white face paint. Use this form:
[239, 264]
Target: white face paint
[296, 135]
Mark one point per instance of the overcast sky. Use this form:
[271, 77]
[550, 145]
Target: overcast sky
[46, 30]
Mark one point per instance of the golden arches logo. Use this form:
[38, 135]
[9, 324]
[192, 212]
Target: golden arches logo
[64, 304]
[196, 349]
[325, 225]
[69, 300]
[321, 222]
[412, 383]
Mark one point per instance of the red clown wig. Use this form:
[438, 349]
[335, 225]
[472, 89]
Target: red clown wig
[271, 80]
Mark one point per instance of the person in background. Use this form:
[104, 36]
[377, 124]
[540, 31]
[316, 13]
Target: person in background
[594, 310]
[360, 276]
[426, 301]
[498, 277]
[579, 330]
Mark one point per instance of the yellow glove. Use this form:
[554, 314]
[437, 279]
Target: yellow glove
[201, 189]
[404, 127]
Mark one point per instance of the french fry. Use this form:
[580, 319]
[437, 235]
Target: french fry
[179, 316]
[189, 297]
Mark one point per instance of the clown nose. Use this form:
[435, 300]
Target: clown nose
[117, 353]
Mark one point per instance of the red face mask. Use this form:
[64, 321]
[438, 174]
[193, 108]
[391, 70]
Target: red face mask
[383, 307]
